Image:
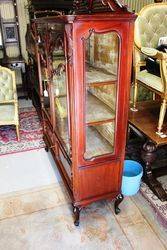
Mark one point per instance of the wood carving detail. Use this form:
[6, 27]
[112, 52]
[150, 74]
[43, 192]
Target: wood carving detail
[90, 33]
[68, 29]
[112, 4]
[98, 6]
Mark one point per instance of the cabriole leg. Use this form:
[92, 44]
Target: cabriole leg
[118, 200]
[76, 211]
[135, 97]
[135, 91]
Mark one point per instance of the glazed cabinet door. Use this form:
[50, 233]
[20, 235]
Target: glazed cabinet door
[102, 83]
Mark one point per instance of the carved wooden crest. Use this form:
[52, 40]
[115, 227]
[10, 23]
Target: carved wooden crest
[95, 6]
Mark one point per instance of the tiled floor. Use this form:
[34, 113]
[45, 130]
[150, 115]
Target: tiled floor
[43, 220]
[27, 170]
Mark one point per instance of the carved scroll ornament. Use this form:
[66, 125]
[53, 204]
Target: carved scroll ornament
[98, 5]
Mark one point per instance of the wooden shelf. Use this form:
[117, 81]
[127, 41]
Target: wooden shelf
[97, 77]
[96, 144]
[98, 112]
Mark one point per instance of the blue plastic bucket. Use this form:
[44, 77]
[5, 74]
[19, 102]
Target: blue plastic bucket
[131, 179]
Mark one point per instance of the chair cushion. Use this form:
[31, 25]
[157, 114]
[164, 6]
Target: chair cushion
[151, 25]
[6, 86]
[7, 114]
[150, 80]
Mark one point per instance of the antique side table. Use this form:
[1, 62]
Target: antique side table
[143, 123]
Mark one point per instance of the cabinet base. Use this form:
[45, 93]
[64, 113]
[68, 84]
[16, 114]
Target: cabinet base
[77, 210]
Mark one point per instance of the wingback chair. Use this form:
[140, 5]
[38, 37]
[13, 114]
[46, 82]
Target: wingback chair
[150, 25]
[8, 99]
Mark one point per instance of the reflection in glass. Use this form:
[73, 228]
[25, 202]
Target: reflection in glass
[42, 37]
[60, 86]
[102, 51]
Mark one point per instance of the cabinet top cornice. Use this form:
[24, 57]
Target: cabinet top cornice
[98, 6]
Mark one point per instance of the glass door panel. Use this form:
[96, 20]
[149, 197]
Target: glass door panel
[59, 81]
[101, 65]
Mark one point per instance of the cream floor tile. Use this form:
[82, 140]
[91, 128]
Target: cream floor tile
[27, 170]
[136, 227]
[30, 201]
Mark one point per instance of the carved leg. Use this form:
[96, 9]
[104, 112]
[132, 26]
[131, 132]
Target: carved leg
[148, 155]
[118, 200]
[76, 211]
[135, 97]
[17, 132]
[135, 93]
[161, 118]
[46, 148]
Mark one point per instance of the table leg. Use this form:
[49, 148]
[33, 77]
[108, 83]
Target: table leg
[148, 155]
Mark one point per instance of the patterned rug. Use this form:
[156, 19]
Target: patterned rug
[31, 135]
[159, 206]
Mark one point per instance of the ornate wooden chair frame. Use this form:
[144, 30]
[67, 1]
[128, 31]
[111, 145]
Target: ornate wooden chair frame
[158, 85]
[11, 100]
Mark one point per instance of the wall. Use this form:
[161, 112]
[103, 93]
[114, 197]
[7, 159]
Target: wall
[7, 12]
[137, 5]
[23, 20]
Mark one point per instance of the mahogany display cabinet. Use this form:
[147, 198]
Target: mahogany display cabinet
[84, 66]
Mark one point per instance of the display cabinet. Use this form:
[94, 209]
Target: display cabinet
[84, 65]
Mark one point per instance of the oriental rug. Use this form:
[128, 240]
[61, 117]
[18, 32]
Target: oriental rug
[159, 207]
[31, 134]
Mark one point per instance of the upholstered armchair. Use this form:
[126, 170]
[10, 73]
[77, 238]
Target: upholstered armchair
[8, 99]
[150, 25]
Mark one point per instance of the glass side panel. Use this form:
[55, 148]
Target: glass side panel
[59, 81]
[43, 55]
[101, 65]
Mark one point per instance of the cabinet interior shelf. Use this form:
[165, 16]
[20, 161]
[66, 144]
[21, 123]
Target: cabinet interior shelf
[99, 84]
[96, 143]
[96, 111]
[99, 77]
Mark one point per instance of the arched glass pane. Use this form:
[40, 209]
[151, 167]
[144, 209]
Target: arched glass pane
[101, 63]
